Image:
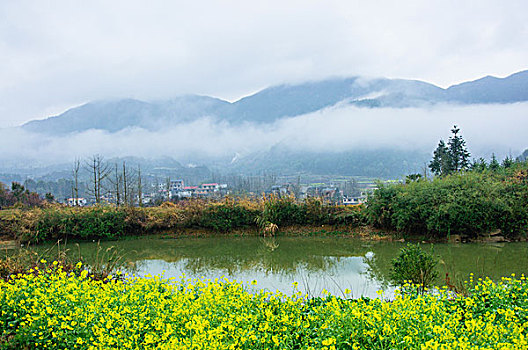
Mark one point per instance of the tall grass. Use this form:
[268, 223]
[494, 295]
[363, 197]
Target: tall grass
[59, 222]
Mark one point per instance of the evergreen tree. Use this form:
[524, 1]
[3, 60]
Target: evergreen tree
[479, 165]
[508, 162]
[458, 153]
[452, 157]
[440, 164]
[494, 163]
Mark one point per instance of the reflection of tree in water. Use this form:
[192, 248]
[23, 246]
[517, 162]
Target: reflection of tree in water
[283, 255]
[458, 261]
[267, 256]
[378, 268]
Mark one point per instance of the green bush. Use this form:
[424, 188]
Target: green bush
[415, 266]
[468, 204]
[349, 216]
[283, 212]
[226, 217]
[80, 223]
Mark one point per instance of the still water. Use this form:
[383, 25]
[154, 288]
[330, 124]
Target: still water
[333, 264]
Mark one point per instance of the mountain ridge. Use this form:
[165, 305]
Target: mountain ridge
[281, 101]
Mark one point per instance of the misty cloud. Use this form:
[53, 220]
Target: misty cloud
[55, 55]
[486, 128]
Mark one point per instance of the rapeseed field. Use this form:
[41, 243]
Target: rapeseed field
[53, 309]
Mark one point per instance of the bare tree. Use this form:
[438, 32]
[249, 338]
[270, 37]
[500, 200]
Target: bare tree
[126, 182]
[99, 171]
[75, 183]
[116, 183]
[139, 187]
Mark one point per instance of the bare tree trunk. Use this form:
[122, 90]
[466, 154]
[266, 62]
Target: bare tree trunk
[99, 170]
[75, 189]
[73, 195]
[117, 185]
[140, 188]
[125, 185]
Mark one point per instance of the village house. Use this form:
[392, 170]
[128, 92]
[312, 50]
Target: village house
[76, 202]
[354, 200]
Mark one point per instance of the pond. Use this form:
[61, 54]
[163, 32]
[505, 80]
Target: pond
[333, 264]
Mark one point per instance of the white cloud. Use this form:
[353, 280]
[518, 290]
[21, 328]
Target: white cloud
[63, 53]
[486, 128]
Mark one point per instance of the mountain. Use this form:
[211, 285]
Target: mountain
[523, 156]
[379, 163]
[491, 90]
[113, 116]
[281, 101]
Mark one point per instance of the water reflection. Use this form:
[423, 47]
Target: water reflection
[330, 263]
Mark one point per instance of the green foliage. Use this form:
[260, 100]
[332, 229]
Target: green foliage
[413, 177]
[18, 196]
[441, 162]
[468, 203]
[451, 158]
[283, 212]
[96, 222]
[479, 165]
[316, 212]
[494, 164]
[379, 210]
[353, 216]
[458, 153]
[415, 266]
[226, 217]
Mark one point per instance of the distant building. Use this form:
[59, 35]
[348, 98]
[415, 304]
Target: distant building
[76, 202]
[353, 200]
[179, 190]
[176, 185]
[207, 189]
[281, 190]
[187, 192]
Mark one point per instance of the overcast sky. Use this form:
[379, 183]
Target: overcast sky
[57, 54]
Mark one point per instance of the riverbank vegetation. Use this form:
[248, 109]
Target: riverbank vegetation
[489, 198]
[54, 309]
[486, 199]
[57, 222]
[463, 199]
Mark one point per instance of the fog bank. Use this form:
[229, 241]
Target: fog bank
[502, 129]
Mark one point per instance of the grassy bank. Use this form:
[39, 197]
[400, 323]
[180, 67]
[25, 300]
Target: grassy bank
[55, 310]
[262, 217]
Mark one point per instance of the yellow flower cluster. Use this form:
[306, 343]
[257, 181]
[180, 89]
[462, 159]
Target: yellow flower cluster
[58, 310]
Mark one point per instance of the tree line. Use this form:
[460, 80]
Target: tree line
[454, 157]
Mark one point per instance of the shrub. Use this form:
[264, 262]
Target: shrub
[283, 212]
[226, 217]
[415, 266]
[468, 204]
[81, 223]
[349, 216]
